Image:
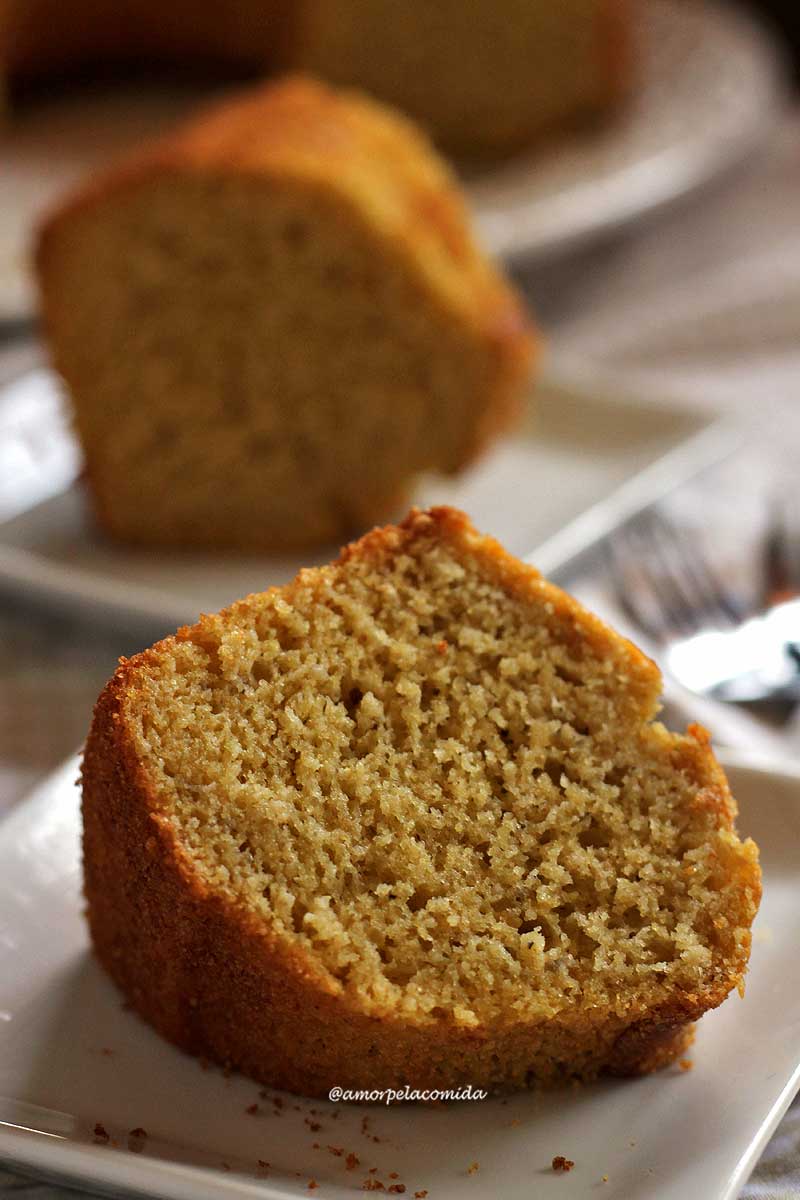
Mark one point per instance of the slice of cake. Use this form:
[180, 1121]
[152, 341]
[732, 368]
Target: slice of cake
[409, 820]
[272, 321]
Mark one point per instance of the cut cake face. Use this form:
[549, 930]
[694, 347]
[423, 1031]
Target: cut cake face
[420, 792]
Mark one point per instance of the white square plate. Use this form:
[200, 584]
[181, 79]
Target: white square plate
[583, 460]
[72, 1056]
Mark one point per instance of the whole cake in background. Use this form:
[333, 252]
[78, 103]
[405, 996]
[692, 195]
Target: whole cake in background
[410, 820]
[272, 321]
[484, 77]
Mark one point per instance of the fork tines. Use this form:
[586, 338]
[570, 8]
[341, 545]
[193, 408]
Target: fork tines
[665, 582]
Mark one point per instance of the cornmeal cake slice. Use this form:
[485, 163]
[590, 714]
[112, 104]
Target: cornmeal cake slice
[272, 321]
[410, 820]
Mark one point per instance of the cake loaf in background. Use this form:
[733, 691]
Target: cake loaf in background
[483, 77]
[270, 322]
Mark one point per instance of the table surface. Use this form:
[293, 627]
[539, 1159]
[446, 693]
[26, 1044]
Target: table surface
[703, 304]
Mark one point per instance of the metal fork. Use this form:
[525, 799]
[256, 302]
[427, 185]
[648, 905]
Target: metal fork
[664, 582]
[714, 642]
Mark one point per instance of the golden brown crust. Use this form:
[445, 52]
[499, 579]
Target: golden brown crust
[218, 981]
[651, 1044]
